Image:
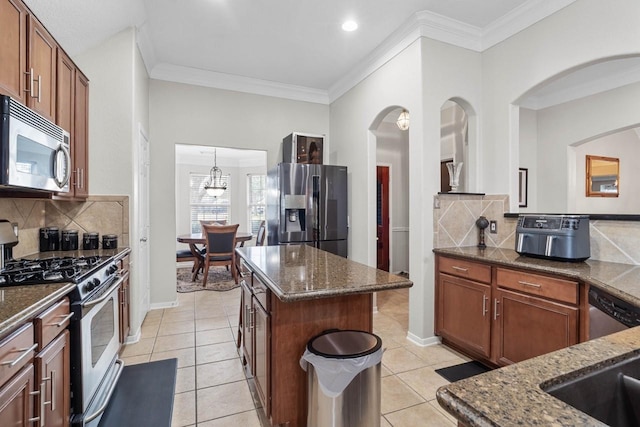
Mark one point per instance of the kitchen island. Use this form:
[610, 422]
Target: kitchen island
[514, 395]
[291, 294]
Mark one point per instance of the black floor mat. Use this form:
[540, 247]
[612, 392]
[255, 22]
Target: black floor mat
[460, 372]
[143, 396]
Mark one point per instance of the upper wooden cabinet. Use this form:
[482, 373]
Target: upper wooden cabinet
[41, 70]
[13, 49]
[80, 137]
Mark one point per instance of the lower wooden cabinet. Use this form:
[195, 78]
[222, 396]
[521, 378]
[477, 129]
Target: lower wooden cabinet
[53, 367]
[16, 400]
[515, 316]
[463, 313]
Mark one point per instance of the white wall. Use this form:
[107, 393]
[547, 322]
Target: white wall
[118, 102]
[420, 79]
[569, 124]
[624, 146]
[585, 31]
[529, 157]
[185, 114]
[392, 149]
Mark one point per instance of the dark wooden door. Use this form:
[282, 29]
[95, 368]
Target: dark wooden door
[382, 217]
[444, 177]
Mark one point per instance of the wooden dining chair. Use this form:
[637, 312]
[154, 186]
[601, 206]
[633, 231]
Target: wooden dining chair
[262, 232]
[221, 248]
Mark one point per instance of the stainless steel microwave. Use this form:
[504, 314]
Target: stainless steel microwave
[34, 152]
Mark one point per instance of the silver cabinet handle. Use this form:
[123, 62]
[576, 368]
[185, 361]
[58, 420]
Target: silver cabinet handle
[484, 305]
[30, 90]
[460, 268]
[62, 322]
[495, 309]
[535, 285]
[39, 88]
[25, 353]
[53, 391]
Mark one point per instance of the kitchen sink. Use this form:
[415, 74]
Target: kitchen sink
[610, 394]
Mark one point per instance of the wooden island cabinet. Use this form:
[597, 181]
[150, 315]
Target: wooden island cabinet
[503, 315]
[289, 295]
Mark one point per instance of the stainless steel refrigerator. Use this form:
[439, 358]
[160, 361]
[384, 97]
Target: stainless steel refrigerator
[308, 204]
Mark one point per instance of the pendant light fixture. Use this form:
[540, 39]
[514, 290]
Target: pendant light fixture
[215, 186]
[403, 120]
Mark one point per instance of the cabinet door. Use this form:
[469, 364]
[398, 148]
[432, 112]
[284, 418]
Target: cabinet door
[42, 54]
[261, 357]
[247, 325]
[527, 326]
[16, 402]
[463, 313]
[53, 377]
[65, 92]
[13, 49]
[80, 137]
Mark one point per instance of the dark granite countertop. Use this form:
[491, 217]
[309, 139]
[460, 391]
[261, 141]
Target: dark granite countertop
[513, 395]
[19, 304]
[301, 272]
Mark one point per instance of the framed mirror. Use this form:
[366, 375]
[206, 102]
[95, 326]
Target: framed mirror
[603, 176]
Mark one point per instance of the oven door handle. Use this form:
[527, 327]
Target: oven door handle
[112, 388]
[106, 295]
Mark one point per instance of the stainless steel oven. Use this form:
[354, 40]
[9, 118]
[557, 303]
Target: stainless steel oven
[95, 364]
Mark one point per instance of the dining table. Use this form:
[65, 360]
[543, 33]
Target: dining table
[194, 239]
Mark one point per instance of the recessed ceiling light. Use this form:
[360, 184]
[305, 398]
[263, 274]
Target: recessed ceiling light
[350, 26]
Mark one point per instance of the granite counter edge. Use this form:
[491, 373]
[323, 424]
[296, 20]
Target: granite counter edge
[19, 318]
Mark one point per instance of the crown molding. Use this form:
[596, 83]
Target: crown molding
[193, 76]
[421, 24]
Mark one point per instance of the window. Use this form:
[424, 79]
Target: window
[205, 207]
[256, 186]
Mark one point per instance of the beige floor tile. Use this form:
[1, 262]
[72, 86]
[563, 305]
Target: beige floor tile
[437, 354]
[134, 360]
[174, 342]
[208, 323]
[173, 328]
[185, 379]
[149, 330]
[212, 374]
[153, 316]
[397, 395]
[214, 336]
[186, 356]
[184, 409]
[419, 415]
[401, 360]
[223, 400]
[424, 381]
[216, 352]
[384, 422]
[144, 346]
[178, 316]
[244, 419]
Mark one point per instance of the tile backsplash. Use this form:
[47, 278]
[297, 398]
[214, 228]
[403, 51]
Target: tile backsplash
[454, 226]
[102, 214]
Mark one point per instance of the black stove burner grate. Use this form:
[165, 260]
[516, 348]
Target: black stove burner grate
[48, 270]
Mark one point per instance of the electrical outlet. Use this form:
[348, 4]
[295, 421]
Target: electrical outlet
[493, 227]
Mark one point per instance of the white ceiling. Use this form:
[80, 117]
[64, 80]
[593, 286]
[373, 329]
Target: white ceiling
[224, 157]
[289, 48]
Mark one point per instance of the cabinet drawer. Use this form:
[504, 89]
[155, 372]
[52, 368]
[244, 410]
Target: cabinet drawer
[51, 322]
[544, 286]
[467, 269]
[16, 351]
[260, 291]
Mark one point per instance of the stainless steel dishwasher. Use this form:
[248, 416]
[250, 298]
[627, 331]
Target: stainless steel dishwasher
[609, 314]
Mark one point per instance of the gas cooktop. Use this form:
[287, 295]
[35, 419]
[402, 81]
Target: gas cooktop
[49, 270]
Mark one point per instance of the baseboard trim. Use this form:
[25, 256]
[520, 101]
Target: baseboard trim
[161, 305]
[423, 342]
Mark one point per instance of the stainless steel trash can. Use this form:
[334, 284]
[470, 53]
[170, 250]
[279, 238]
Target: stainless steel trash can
[343, 371]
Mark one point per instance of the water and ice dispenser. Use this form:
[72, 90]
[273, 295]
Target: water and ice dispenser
[295, 212]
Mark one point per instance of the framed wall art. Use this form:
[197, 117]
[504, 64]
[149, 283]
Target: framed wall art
[523, 180]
